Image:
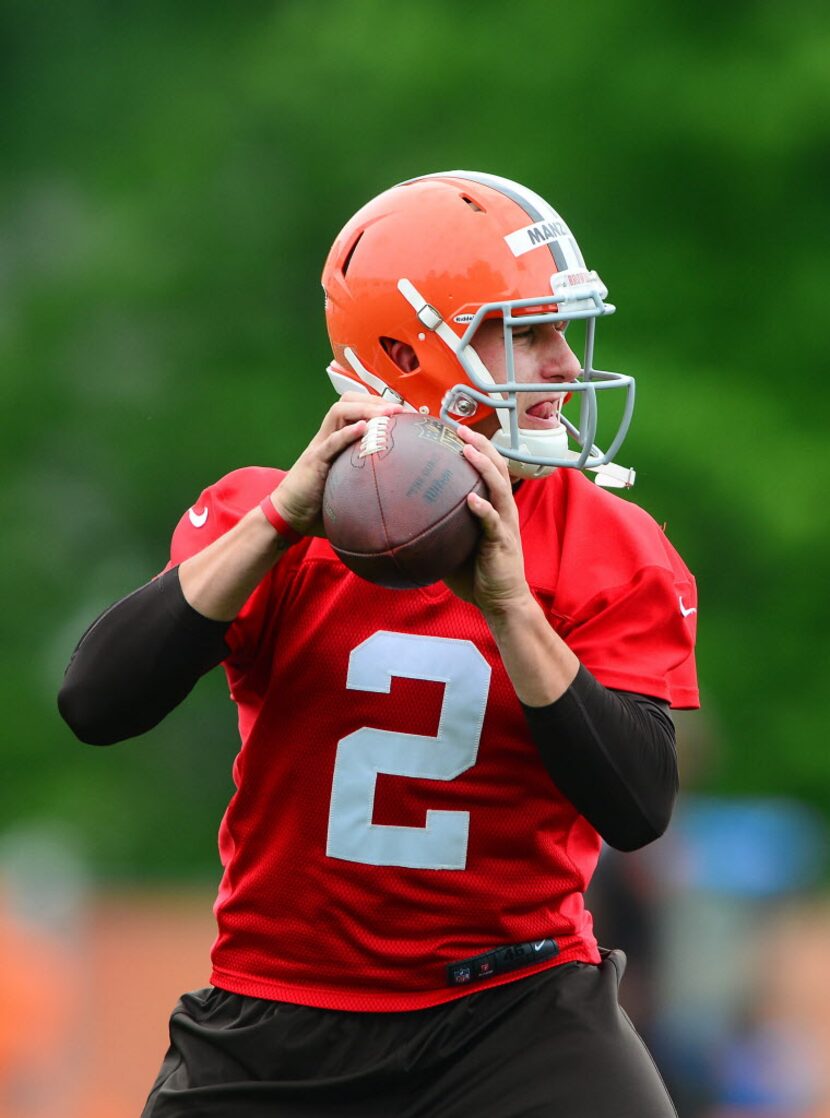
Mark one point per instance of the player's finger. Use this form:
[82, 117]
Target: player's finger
[338, 440]
[347, 411]
[485, 446]
[357, 395]
[484, 511]
[497, 481]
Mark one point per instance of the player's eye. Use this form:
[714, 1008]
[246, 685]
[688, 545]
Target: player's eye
[524, 333]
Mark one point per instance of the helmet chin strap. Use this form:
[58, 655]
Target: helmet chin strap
[544, 444]
[554, 443]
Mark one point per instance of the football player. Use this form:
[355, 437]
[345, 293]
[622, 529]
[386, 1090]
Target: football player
[425, 776]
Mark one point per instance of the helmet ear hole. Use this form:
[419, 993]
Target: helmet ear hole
[401, 353]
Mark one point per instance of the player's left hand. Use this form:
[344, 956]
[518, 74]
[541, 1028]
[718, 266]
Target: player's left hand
[494, 578]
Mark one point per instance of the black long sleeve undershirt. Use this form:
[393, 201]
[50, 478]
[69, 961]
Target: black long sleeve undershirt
[611, 753]
[137, 661]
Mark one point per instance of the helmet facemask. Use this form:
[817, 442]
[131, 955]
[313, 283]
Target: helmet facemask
[531, 452]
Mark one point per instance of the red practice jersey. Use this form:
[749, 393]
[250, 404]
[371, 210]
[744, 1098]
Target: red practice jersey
[392, 816]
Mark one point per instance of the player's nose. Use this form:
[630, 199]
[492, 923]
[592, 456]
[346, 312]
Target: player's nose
[559, 362]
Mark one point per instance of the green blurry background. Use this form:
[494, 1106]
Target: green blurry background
[172, 176]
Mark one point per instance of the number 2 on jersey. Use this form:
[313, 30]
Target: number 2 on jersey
[442, 843]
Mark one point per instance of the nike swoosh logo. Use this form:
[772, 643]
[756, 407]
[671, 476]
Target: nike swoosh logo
[197, 519]
[538, 946]
[683, 610]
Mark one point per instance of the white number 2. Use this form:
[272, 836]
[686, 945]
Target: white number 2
[442, 843]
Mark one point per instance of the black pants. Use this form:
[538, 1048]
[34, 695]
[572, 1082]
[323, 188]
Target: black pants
[554, 1044]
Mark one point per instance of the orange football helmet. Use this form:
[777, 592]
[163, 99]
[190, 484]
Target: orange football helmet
[424, 263]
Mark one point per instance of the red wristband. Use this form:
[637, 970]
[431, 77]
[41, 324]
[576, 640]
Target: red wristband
[278, 523]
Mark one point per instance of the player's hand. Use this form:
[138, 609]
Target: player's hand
[299, 497]
[494, 577]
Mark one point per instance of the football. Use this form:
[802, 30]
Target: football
[395, 503]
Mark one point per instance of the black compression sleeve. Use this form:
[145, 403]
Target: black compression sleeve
[612, 753]
[137, 661]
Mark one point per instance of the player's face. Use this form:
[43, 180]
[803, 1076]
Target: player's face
[540, 355]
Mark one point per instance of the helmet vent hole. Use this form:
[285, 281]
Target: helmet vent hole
[351, 252]
[471, 202]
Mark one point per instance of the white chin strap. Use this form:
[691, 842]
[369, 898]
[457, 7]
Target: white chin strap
[554, 444]
[542, 444]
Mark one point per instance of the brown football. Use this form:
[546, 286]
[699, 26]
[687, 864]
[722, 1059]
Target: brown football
[395, 503]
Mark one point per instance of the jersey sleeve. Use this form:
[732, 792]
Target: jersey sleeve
[217, 509]
[640, 636]
[628, 603]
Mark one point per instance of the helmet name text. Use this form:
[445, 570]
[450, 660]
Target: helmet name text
[532, 236]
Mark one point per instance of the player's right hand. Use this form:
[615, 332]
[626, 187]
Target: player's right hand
[299, 497]
[494, 578]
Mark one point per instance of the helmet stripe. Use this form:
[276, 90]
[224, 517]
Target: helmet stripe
[536, 208]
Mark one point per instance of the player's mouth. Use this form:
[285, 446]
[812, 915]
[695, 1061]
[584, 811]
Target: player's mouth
[543, 415]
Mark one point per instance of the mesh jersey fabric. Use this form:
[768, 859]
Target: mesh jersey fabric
[391, 814]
